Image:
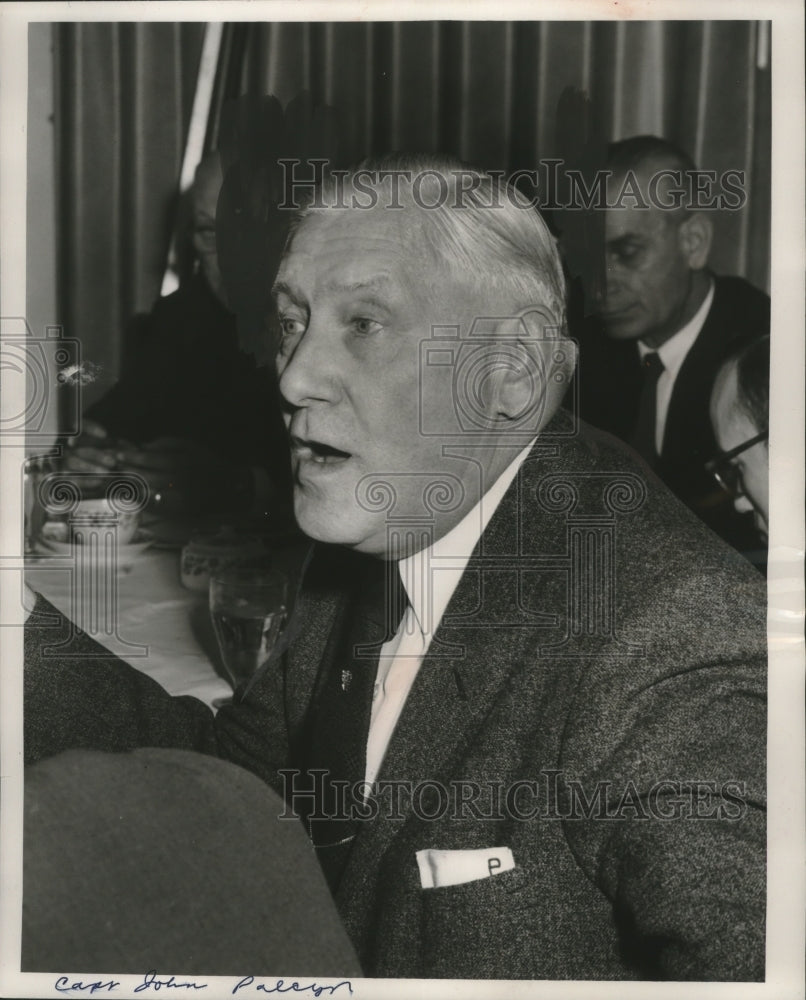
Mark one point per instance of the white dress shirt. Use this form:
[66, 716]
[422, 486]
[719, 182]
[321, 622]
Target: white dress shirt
[430, 577]
[673, 354]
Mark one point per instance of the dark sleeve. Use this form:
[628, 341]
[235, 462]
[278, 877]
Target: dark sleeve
[112, 882]
[681, 851]
[138, 407]
[753, 310]
[78, 695]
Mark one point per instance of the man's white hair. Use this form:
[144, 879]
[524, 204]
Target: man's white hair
[478, 228]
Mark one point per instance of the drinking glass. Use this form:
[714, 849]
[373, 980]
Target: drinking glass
[35, 468]
[248, 608]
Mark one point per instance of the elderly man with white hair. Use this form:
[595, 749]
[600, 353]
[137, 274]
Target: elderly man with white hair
[520, 704]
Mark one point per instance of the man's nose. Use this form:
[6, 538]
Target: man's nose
[610, 278]
[306, 374]
[600, 290]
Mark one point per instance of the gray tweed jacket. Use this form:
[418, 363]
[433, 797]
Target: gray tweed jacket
[594, 701]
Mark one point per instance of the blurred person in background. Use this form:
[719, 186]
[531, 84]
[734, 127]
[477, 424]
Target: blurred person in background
[740, 404]
[192, 412]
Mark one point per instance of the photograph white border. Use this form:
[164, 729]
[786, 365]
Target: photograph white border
[786, 924]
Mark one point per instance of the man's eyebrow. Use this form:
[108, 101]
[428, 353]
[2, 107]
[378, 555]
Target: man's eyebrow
[363, 284]
[369, 283]
[623, 240]
[282, 288]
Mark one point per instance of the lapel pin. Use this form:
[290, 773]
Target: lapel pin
[346, 679]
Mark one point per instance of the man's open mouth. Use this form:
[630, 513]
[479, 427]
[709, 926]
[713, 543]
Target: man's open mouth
[317, 451]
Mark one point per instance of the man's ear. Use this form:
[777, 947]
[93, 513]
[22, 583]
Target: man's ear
[695, 235]
[540, 365]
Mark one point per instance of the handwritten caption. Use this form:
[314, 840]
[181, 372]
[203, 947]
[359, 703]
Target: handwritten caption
[65, 985]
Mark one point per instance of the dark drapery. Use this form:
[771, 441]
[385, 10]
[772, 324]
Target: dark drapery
[488, 92]
[485, 91]
[124, 95]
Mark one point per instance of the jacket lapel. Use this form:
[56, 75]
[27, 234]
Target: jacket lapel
[473, 652]
[315, 625]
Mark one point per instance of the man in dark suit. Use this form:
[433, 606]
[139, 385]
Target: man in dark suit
[665, 322]
[193, 412]
[541, 753]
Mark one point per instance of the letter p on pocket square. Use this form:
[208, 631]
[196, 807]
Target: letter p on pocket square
[441, 868]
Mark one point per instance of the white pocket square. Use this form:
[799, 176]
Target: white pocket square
[440, 868]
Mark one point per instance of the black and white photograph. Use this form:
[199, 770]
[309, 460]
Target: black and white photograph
[402, 480]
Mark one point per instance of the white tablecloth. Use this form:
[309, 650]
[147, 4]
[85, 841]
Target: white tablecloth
[161, 628]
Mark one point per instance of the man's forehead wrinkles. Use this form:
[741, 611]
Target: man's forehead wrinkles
[344, 267]
[322, 245]
[351, 281]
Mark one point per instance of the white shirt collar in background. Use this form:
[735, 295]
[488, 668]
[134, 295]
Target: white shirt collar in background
[673, 354]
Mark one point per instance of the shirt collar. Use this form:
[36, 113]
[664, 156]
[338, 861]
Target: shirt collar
[431, 575]
[673, 352]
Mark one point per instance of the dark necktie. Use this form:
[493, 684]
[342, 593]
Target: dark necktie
[342, 707]
[643, 438]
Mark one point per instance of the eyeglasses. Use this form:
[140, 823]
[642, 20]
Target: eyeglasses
[725, 472]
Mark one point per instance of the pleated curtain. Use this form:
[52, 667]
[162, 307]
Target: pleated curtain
[488, 92]
[123, 102]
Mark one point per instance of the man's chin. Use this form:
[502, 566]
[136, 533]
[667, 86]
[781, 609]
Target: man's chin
[628, 323]
[331, 522]
[622, 329]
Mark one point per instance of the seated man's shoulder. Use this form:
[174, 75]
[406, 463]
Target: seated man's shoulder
[743, 299]
[659, 546]
[684, 613]
[192, 308]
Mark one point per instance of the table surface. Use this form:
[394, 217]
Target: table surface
[162, 629]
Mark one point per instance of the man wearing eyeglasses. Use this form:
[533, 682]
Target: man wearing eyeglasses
[740, 417]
